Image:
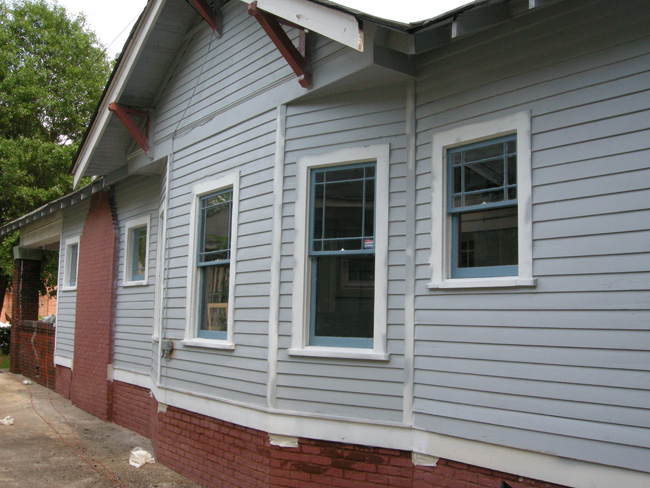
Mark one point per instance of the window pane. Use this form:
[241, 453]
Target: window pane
[216, 212]
[343, 209]
[484, 197]
[343, 245]
[344, 174]
[139, 249]
[369, 217]
[484, 152]
[488, 174]
[319, 204]
[214, 297]
[487, 238]
[72, 275]
[344, 295]
[512, 170]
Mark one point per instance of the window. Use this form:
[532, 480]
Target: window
[211, 275]
[71, 263]
[342, 255]
[136, 255]
[340, 278]
[481, 195]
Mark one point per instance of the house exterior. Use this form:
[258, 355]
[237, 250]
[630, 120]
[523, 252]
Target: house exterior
[382, 255]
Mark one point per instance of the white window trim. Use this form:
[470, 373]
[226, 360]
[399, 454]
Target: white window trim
[301, 284]
[131, 224]
[518, 123]
[69, 242]
[191, 313]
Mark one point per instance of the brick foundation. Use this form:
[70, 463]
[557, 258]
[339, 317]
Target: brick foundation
[219, 454]
[36, 352]
[96, 281]
[63, 379]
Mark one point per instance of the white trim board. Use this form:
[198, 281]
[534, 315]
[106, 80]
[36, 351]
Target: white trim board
[578, 474]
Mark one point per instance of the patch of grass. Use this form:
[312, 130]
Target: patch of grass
[4, 362]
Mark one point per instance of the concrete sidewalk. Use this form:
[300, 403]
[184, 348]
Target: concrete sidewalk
[35, 454]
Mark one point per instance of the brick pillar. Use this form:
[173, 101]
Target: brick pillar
[27, 272]
[96, 282]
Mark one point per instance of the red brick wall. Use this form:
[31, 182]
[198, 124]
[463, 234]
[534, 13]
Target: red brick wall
[24, 303]
[219, 454]
[63, 379]
[132, 408]
[36, 352]
[90, 388]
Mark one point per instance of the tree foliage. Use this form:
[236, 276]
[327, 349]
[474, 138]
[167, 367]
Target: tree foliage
[52, 73]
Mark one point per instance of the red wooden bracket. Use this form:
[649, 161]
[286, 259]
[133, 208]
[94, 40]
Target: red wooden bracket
[271, 25]
[123, 114]
[214, 19]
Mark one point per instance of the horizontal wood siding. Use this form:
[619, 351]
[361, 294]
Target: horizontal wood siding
[135, 197]
[561, 368]
[238, 375]
[337, 387]
[74, 218]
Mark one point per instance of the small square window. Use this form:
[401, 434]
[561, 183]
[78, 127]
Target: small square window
[136, 255]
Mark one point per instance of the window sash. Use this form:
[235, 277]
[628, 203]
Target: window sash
[222, 255]
[138, 253]
[456, 213]
[73, 253]
[366, 243]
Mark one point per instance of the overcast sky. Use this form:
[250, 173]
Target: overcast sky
[112, 19]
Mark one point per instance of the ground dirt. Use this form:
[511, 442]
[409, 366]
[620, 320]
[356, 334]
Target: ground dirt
[34, 454]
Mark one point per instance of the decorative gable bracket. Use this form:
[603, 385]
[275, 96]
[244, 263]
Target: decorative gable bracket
[212, 17]
[273, 28]
[124, 115]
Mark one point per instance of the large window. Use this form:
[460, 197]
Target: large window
[211, 267]
[136, 251]
[481, 226]
[340, 277]
[342, 255]
[214, 263]
[71, 263]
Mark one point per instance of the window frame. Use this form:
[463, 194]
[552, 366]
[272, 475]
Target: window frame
[302, 283]
[518, 124]
[69, 243]
[129, 227]
[199, 191]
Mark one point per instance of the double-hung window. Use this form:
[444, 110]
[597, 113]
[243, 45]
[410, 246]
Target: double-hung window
[482, 202]
[341, 247]
[212, 262]
[342, 255]
[136, 255]
[481, 224]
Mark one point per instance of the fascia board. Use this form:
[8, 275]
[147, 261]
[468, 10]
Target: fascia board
[124, 70]
[338, 26]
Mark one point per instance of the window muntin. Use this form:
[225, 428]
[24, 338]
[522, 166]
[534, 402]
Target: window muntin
[342, 256]
[482, 203]
[138, 253]
[213, 260]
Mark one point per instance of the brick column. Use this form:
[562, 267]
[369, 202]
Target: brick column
[96, 282]
[27, 272]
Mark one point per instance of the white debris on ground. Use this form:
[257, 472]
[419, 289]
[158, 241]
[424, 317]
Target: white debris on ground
[27, 382]
[8, 420]
[140, 457]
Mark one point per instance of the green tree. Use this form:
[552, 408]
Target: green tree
[52, 73]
